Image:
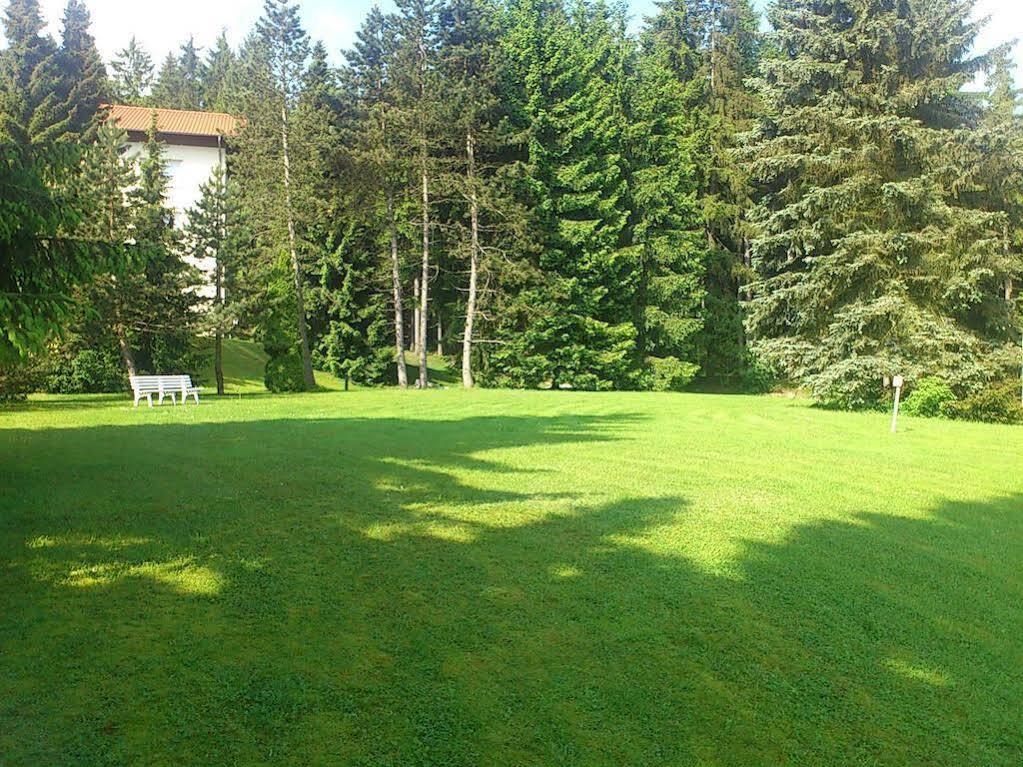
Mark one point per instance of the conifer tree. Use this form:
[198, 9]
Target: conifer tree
[869, 261]
[377, 169]
[212, 233]
[168, 85]
[483, 212]
[416, 79]
[274, 61]
[667, 223]
[572, 323]
[85, 77]
[216, 82]
[132, 70]
[32, 111]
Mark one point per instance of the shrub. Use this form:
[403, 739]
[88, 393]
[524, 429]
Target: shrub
[669, 373]
[929, 398]
[19, 379]
[998, 403]
[284, 372]
[88, 371]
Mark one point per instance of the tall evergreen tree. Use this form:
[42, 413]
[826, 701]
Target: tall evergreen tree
[416, 79]
[573, 321]
[85, 77]
[377, 171]
[132, 70]
[220, 61]
[665, 143]
[470, 72]
[31, 108]
[211, 234]
[869, 261]
[275, 60]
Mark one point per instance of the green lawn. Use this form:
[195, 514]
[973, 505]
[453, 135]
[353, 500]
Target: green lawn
[506, 578]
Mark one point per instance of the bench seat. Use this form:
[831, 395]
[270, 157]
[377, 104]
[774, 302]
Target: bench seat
[164, 386]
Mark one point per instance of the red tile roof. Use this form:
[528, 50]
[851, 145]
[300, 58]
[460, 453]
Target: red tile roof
[179, 121]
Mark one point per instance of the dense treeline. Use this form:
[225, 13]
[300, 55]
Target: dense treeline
[553, 199]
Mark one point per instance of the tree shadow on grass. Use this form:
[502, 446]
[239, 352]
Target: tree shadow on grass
[402, 592]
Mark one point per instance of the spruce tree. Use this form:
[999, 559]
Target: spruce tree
[869, 261]
[32, 111]
[377, 171]
[169, 84]
[572, 323]
[470, 70]
[418, 100]
[85, 77]
[667, 223]
[211, 234]
[274, 61]
[216, 82]
[132, 70]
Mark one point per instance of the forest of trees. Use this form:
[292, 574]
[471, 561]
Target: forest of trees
[539, 190]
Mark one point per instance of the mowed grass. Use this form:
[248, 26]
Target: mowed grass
[506, 578]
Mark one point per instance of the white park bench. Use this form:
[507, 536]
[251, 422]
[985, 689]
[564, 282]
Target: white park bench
[163, 386]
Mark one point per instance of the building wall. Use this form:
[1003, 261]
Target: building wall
[188, 168]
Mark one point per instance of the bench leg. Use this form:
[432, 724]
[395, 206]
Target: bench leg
[137, 398]
[150, 398]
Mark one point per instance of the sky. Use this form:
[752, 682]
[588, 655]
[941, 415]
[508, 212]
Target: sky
[162, 27]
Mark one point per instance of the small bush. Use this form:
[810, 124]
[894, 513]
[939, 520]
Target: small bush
[929, 398]
[284, 372]
[89, 371]
[999, 403]
[669, 373]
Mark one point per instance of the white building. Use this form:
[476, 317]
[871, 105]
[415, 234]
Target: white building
[193, 148]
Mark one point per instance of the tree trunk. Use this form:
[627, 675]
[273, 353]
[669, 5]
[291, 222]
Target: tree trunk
[303, 333]
[424, 304]
[417, 342]
[474, 244]
[218, 338]
[399, 312]
[126, 354]
[424, 284]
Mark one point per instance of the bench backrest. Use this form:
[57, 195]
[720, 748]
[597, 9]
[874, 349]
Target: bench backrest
[160, 383]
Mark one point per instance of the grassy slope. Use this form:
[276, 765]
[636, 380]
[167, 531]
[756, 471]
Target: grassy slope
[245, 361]
[507, 578]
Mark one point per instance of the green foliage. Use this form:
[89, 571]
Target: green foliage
[88, 371]
[44, 253]
[132, 74]
[929, 398]
[869, 261]
[998, 403]
[284, 372]
[669, 374]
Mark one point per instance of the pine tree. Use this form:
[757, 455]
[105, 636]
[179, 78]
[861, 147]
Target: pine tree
[132, 74]
[470, 70]
[220, 62]
[210, 234]
[416, 79]
[573, 321]
[667, 222]
[869, 262]
[274, 61]
[179, 84]
[169, 84]
[85, 77]
[31, 109]
[378, 172]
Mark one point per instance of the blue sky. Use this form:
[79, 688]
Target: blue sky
[161, 27]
